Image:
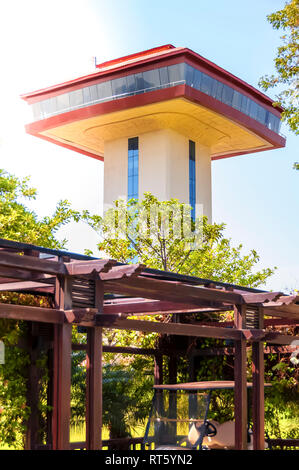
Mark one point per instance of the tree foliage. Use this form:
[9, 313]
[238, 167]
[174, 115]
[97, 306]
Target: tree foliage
[286, 63]
[158, 244]
[19, 223]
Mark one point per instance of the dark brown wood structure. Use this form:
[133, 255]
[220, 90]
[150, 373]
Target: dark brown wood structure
[100, 293]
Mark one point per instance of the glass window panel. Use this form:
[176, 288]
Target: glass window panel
[192, 182]
[135, 186]
[164, 79]
[227, 95]
[76, 98]
[131, 84]
[261, 114]
[139, 81]
[189, 75]
[245, 105]
[237, 99]
[36, 110]
[151, 78]
[119, 86]
[176, 73]
[214, 87]
[273, 122]
[130, 186]
[130, 165]
[93, 93]
[133, 168]
[206, 84]
[104, 90]
[62, 101]
[86, 94]
[133, 143]
[253, 109]
[197, 79]
[276, 124]
[46, 107]
[219, 91]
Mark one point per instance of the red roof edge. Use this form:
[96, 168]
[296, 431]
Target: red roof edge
[154, 50]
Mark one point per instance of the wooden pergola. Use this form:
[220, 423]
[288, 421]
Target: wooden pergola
[101, 293]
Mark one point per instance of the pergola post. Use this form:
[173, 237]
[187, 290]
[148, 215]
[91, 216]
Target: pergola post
[31, 439]
[94, 355]
[240, 397]
[258, 389]
[158, 369]
[62, 369]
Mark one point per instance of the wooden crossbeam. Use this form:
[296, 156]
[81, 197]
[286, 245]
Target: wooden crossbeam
[272, 337]
[32, 263]
[170, 291]
[289, 311]
[117, 322]
[27, 286]
[156, 307]
[29, 313]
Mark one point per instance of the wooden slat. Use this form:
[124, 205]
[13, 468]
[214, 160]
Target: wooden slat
[121, 272]
[76, 268]
[256, 298]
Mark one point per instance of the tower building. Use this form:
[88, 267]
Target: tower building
[157, 119]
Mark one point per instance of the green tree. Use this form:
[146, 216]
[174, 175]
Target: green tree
[286, 63]
[157, 234]
[19, 223]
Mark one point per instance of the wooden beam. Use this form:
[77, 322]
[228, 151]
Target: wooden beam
[258, 408]
[184, 329]
[62, 384]
[26, 286]
[94, 389]
[158, 369]
[157, 307]
[272, 337]
[31, 263]
[94, 358]
[29, 313]
[240, 390]
[20, 274]
[170, 291]
[32, 434]
[290, 312]
[62, 370]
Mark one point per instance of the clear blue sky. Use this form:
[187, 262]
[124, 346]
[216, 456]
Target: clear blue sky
[48, 42]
